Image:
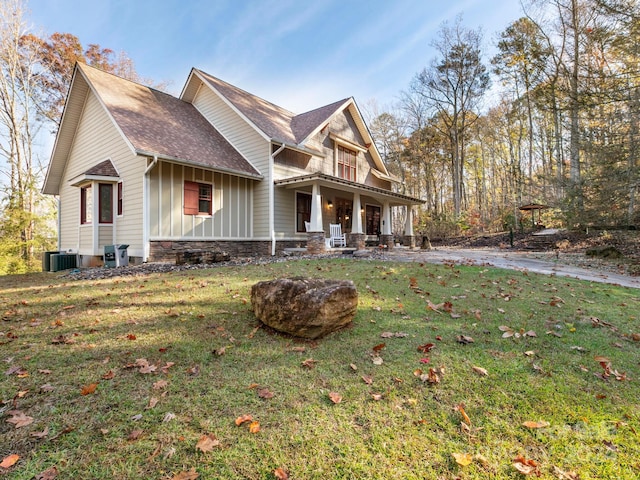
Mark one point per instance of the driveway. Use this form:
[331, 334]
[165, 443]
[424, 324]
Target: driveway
[511, 260]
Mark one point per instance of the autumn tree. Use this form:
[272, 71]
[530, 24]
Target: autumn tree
[453, 86]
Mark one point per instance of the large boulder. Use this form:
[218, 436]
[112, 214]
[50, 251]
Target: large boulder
[305, 307]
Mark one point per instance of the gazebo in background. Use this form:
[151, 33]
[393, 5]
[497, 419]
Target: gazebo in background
[533, 207]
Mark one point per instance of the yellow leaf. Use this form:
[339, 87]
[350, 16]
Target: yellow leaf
[462, 459]
[254, 427]
[10, 461]
[531, 424]
[281, 474]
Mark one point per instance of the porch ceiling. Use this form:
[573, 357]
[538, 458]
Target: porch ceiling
[324, 180]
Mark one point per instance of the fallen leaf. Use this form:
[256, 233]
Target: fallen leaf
[462, 459]
[335, 397]
[281, 474]
[220, 351]
[41, 434]
[386, 335]
[243, 418]
[367, 379]
[465, 417]
[526, 467]
[160, 384]
[153, 401]
[531, 424]
[529, 353]
[379, 347]
[254, 427]
[376, 396]
[353, 366]
[89, 389]
[19, 419]
[265, 393]
[464, 339]
[207, 442]
[9, 461]
[135, 434]
[480, 371]
[426, 348]
[48, 474]
[190, 475]
[131, 336]
[377, 360]
[168, 417]
[195, 370]
[309, 363]
[109, 375]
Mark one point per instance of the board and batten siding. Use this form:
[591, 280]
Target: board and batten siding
[96, 140]
[250, 144]
[232, 208]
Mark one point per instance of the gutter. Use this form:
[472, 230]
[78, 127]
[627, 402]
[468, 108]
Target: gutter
[272, 199]
[145, 210]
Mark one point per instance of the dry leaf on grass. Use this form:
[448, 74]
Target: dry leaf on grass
[190, 475]
[265, 393]
[243, 418]
[462, 459]
[89, 389]
[532, 424]
[207, 442]
[19, 419]
[281, 474]
[335, 397]
[9, 461]
[480, 371]
[48, 474]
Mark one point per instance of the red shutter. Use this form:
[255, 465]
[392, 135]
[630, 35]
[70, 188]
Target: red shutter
[191, 195]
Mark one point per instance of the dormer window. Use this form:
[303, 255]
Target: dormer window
[346, 163]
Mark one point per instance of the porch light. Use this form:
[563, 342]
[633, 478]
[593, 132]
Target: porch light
[329, 203]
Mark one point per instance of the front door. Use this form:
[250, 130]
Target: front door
[373, 220]
[344, 210]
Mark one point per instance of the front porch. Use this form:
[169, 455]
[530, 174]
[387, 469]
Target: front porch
[364, 212]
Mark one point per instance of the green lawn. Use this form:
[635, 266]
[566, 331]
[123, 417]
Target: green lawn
[144, 377]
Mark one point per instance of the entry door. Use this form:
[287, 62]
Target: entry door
[373, 220]
[344, 212]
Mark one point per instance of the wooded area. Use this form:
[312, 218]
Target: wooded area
[551, 119]
[35, 73]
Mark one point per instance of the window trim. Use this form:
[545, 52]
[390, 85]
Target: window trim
[192, 196]
[120, 199]
[86, 208]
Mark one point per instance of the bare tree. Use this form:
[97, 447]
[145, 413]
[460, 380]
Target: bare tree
[453, 86]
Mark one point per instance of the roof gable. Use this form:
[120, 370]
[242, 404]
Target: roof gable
[150, 121]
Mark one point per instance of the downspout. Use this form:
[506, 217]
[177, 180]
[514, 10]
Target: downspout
[145, 210]
[272, 203]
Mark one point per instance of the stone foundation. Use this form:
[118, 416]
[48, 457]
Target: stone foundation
[409, 241]
[387, 240]
[356, 240]
[165, 251]
[316, 243]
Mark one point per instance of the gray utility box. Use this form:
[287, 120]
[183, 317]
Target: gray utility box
[116, 256]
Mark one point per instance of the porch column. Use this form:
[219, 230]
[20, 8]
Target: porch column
[386, 236]
[409, 240]
[356, 221]
[316, 209]
[315, 235]
[357, 236]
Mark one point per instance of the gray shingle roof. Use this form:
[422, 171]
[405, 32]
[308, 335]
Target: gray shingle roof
[275, 122]
[103, 169]
[158, 123]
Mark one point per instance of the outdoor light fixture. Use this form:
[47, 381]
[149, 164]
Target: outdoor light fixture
[329, 203]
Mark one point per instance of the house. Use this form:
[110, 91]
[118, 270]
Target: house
[215, 168]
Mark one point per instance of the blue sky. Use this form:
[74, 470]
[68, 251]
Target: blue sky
[299, 54]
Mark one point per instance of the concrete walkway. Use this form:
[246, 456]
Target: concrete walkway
[511, 260]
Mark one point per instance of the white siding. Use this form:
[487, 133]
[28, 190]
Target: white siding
[96, 140]
[254, 147]
[232, 197]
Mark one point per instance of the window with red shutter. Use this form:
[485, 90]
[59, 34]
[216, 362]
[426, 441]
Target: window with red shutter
[197, 198]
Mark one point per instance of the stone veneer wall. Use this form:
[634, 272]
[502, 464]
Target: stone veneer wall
[165, 251]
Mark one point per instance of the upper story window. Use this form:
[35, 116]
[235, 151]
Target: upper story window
[198, 198]
[346, 163]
